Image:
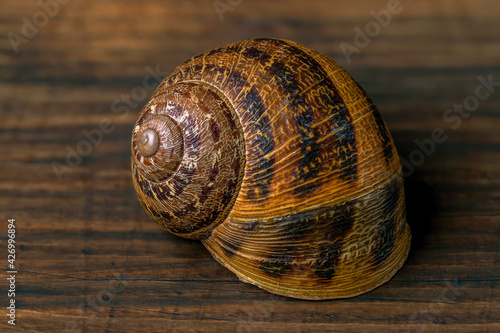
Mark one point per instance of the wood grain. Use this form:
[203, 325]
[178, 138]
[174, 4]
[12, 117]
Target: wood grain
[90, 260]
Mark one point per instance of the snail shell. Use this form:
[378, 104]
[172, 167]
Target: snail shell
[278, 161]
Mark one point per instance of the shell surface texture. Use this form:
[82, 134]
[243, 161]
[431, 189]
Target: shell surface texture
[276, 159]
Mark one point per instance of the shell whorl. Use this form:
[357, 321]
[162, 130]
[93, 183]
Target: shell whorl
[188, 158]
[313, 206]
[157, 146]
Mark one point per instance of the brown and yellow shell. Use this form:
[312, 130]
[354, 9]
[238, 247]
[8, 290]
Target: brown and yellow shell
[277, 160]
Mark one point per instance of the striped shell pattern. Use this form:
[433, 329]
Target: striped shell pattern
[275, 158]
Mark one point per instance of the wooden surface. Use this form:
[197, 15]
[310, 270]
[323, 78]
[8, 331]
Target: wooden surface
[90, 260]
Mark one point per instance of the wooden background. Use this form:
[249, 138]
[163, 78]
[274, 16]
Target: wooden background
[90, 260]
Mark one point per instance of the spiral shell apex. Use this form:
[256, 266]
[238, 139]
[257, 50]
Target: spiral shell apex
[278, 161]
